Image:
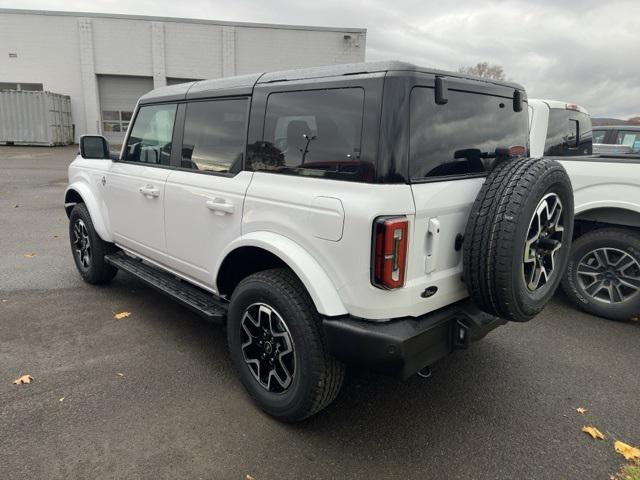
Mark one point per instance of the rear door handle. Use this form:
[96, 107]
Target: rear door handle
[220, 206]
[150, 191]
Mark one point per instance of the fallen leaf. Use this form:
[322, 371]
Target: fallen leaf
[581, 410]
[61, 399]
[29, 255]
[593, 431]
[121, 315]
[120, 374]
[249, 477]
[16, 206]
[55, 236]
[627, 451]
[23, 379]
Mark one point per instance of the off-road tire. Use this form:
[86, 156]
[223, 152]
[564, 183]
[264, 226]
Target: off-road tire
[317, 377]
[98, 271]
[613, 238]
[496, 232]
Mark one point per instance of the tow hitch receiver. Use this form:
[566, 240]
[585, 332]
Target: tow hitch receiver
[459, 334]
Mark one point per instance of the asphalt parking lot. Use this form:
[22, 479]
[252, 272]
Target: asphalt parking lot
[154, 395]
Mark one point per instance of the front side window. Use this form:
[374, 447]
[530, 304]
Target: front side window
[316, 133]
[214, 135]
[152, 134]
[598, 136]
[463, 136]
[569, 133]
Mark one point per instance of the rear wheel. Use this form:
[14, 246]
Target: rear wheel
[603, 274]
[278, 348]
[518, 238]
[88, 248]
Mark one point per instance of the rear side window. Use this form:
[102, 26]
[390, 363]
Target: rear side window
[569, 133]
[214, 135]
[463, 136]
[152, 134]
[628, 139]
[316, 133]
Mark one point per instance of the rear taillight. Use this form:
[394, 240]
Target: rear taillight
[389, 252]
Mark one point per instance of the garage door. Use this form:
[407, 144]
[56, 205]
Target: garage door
[118, 97]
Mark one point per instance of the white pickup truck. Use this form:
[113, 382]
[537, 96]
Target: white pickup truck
[603, 273]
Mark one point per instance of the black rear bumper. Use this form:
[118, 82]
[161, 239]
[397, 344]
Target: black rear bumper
[403, 346]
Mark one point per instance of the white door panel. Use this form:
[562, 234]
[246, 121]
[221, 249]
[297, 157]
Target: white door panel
[442, 211]
[203, 214]
[135, 202]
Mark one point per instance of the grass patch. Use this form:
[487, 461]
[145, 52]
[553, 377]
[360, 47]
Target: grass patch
[630, 471]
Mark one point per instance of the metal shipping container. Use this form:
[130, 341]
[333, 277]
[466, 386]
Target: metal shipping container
[35, 118]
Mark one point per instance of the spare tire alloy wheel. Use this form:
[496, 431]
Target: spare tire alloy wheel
[609, 275]
[267, 347]
[543, 242]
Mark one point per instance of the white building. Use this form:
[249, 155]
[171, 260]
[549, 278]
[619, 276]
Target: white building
[105, 62]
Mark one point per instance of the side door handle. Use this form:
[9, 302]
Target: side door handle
[150, 191]
[220, 206]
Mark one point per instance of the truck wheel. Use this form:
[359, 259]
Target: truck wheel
[603, 274]
[88, 248]
[277, 345]
[518, 238]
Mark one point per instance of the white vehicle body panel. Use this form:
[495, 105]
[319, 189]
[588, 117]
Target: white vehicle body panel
[134, 199]
[314, 277]
[85, 177]
[604, 185]
[203, 214]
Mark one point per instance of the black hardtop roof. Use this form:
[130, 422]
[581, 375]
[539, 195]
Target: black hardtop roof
[243, 84]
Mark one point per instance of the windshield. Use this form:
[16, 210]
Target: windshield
[465, 136]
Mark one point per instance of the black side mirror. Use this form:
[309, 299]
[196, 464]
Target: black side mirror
[94, 146]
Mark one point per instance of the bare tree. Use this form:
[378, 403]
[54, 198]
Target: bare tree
[485, 69]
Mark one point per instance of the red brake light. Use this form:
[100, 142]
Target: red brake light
[389, 252]
[572, 106]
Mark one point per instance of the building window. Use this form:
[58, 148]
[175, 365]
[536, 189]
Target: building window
[27, 87]
[115, 120]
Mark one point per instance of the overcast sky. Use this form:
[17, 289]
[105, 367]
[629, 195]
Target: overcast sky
[582, 51]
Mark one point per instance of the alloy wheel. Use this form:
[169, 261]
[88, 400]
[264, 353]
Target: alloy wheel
[81, 243]
[267, 347]
[609, 275]
[544, 240]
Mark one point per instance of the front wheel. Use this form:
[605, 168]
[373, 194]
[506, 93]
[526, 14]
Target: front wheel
[278, 348]
[88, 249]
[603, 274]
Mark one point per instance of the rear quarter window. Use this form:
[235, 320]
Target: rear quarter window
[314, 133]
[463, 136]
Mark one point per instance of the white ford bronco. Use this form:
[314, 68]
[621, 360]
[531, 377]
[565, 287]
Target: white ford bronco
[603, 273]
[379, 213]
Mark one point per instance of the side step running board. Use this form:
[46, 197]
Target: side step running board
[202, 302]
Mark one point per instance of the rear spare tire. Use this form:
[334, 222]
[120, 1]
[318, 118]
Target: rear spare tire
[518, 238]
